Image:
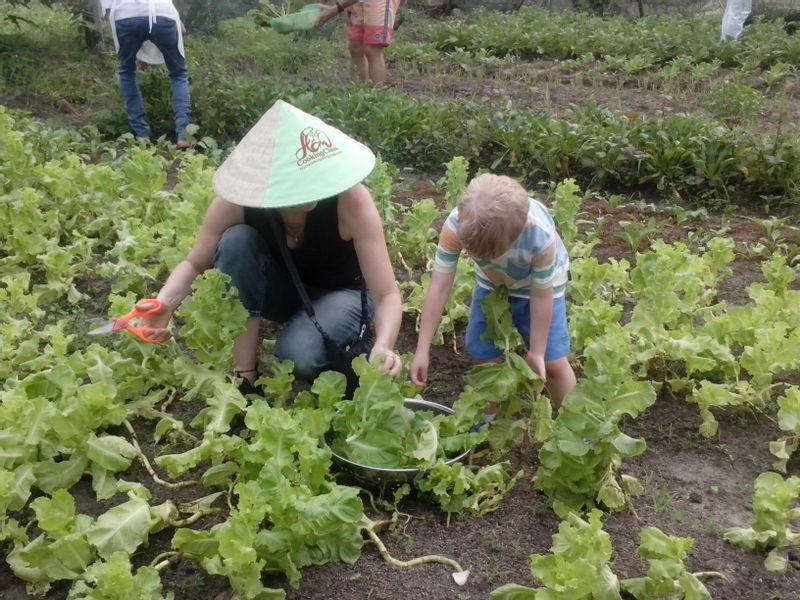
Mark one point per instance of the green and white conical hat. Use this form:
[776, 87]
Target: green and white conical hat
[290, 157]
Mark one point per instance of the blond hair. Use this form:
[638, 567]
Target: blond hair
[491, 215]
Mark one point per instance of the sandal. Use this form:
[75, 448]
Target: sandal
[245, 387]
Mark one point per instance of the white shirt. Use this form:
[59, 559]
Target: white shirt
[125, 9]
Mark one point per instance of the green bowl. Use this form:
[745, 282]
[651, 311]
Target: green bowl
[302, 20]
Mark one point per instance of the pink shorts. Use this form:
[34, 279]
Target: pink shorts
[371, 22]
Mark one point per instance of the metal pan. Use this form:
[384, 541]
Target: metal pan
[379, 475]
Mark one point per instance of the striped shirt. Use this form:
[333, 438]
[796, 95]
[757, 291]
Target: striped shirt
[537, 258]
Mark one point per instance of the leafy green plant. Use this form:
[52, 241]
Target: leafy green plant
[580, 464]
[771, 529]
[667, 575]
[634, 234]
[773, 234]
[205, 331]
[377, 429]
[575, 571]
[778, 72]
[565, 208]
[579, 566]
[454, 181]
[733, 102]
[107, 580]
[458, 488]
[788, 421]
[637, 63]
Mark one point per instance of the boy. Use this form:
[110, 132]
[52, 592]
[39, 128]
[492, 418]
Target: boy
[513, 242]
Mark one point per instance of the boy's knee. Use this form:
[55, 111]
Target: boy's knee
[559, 368]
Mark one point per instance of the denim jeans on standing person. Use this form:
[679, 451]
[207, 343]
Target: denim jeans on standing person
[266, 290]
[131, 34]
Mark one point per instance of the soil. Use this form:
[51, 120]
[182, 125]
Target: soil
[693, 486]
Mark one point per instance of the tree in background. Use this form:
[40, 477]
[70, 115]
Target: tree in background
[86, 13]
[197, 15]
[202, 15]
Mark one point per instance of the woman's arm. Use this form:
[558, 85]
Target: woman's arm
[359, 221]
[220, 216]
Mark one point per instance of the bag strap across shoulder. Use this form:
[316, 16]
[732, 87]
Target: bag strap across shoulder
[280, 237]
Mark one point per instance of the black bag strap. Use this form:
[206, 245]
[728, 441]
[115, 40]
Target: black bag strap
[280, 236]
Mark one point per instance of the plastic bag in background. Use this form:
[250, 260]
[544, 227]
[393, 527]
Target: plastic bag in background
[736, 12]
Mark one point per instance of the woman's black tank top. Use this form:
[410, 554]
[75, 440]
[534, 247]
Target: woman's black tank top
[323, 260]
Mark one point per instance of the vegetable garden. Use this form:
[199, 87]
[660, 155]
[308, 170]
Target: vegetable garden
[130, 470]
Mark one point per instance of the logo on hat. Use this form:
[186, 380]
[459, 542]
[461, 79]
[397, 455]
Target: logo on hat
[314, 145]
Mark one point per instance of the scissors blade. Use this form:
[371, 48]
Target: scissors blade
[104, 327]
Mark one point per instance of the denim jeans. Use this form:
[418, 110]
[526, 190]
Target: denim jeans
[266, 290]
[131, 34]
[484, 350]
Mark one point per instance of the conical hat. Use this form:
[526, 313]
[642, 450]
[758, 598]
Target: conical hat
[290, 157]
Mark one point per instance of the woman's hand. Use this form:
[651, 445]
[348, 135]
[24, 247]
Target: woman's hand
[419, 368]
[154, 325]
[391, 363]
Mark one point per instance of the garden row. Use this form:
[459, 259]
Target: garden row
[699, 158]
[695, 157]
[533, 33]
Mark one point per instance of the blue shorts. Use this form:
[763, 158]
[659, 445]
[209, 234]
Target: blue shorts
[482, 350]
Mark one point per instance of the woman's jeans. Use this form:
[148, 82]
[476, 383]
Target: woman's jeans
[266, 290]
[131, 34]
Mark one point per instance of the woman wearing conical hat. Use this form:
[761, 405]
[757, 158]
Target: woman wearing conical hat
[295, 170]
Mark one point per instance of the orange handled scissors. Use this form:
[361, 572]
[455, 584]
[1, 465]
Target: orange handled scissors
[143, 308]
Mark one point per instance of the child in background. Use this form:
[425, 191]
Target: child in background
[513, 242]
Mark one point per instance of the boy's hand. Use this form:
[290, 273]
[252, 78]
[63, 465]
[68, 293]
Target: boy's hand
[536, 363]
[419, 368]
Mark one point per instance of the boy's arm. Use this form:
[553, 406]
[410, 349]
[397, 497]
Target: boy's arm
[541, 307]
[432, 308]
[541, 315]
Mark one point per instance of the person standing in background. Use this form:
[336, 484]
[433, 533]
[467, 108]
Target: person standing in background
[152, 31]
[370, 24]
[736, 13]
